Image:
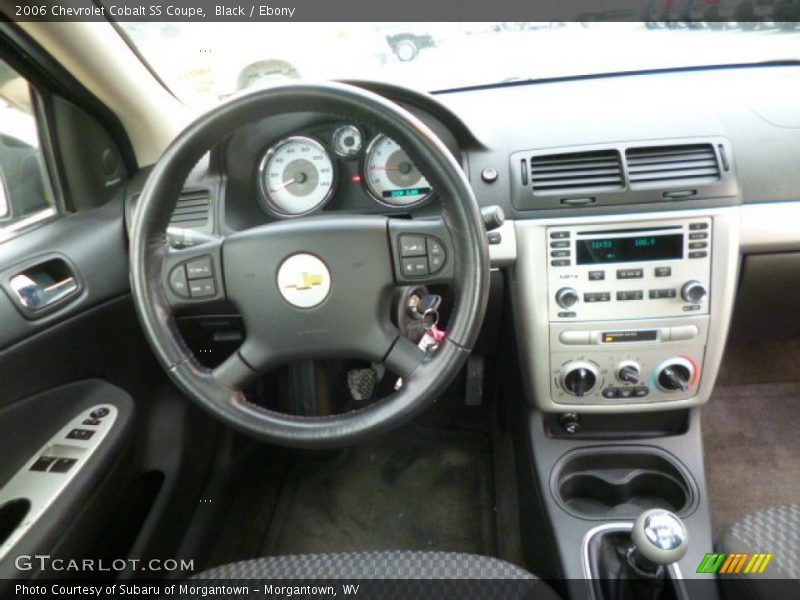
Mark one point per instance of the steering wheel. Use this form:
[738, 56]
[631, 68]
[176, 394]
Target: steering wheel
[313, 287]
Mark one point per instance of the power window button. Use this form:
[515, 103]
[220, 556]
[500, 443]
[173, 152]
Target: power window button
[62, 465]
[43, 463]
[80, 434]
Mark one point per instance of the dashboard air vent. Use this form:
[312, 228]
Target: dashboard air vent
[191, 212]
[672, 165]
[576, 172]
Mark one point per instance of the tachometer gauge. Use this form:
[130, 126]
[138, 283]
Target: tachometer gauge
[390, 175]
[347, 141]
[296, 176]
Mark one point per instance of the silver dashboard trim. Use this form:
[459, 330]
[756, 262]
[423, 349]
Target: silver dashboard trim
[504, 254]
[770, 227]
[530, 300]
[42, 488]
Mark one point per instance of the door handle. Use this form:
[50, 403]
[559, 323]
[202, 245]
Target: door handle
[43, 286]
[35, 297]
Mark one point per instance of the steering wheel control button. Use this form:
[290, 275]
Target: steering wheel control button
[62, 465]
[99, 413]
[412, 245]
[43, 463]
[304, 280]
[414, 267]
[436, 255]
[178, 283]
[202, 288]
[80, 434]
[199, 268]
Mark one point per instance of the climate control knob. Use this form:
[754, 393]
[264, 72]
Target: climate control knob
[693, 291]
[675, 375]
[567, 297]
[579, 378]
[628, 372]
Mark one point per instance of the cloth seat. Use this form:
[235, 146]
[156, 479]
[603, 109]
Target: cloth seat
[395, 565]
[774, 531]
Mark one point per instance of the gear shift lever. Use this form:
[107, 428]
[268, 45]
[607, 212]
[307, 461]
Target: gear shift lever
[659, 539]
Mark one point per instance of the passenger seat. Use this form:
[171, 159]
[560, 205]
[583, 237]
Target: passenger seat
[773, 531]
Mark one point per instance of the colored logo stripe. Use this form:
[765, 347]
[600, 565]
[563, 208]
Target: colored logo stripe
[721, 562]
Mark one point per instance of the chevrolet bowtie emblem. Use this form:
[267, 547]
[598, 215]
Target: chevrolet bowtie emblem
[306, 281]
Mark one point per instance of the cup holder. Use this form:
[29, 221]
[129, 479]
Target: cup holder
[11, 515]
[612, 482]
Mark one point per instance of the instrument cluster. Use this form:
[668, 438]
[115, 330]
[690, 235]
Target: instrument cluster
[299, 174]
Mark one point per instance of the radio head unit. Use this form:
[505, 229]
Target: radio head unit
[614, 272]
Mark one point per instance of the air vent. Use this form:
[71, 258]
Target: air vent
[191, 212]
[576, 172]
[672, 165]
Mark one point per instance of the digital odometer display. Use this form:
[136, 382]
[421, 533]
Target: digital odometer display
[629, 249]
[405, 193]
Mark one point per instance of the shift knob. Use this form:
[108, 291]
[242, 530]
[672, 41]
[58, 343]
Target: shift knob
[659, 537]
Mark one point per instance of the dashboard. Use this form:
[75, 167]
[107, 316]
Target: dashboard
[635, 205]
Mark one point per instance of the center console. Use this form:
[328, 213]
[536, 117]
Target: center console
[621, 314]
[625, 313]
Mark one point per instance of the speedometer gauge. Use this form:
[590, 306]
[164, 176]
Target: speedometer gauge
[391, 177]
[295, 176]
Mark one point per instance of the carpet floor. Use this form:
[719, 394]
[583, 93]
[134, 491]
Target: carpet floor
[752, 449]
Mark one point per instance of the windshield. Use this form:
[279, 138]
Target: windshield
[204, 63]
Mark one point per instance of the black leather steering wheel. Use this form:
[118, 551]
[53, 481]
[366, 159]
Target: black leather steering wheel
[314, 287]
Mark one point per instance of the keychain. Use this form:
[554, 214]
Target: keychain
[431, 339]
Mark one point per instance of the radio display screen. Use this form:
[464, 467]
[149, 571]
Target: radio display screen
[629, 249]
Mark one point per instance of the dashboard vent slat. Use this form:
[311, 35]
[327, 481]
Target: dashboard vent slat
[672, 165]
[576, 172]
[191, 210]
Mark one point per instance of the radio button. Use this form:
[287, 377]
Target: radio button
[597, 275]
[559, 235]
[561, 262]
[559, 244]
[683, 333]
[559, 253]
[698, 254]
[567, 315]
[695, 245]
[574, 338]
[630, 295]
[663, 293]
[630, 273]
[663, 271]
[698, 236]
[597, 297]
[567, 297]
[696, 226]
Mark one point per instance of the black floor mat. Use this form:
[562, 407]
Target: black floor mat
[413, 488]
[752, 449]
